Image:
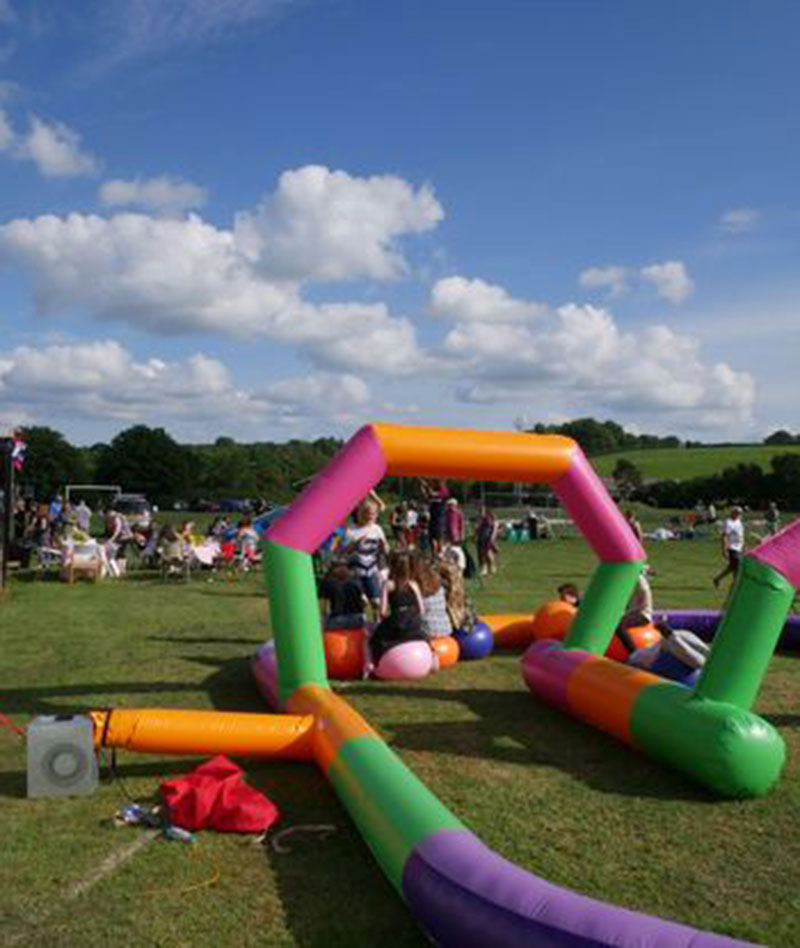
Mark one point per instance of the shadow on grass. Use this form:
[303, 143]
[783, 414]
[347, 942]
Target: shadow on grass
[208, 640]
[45, 699]
[513, 728]
[332, 891]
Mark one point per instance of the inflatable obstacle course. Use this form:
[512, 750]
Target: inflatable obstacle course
[462, 893]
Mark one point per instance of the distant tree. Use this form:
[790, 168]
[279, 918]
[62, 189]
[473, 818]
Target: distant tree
[745, 483]
[785, 480]
[780, 437]
[149, 461]
[51, 462]
[605, 437]
[627, 477]
[223, 470]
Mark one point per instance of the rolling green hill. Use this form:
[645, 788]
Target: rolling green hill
[685, 463]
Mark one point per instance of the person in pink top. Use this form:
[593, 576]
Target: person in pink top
[454, 522]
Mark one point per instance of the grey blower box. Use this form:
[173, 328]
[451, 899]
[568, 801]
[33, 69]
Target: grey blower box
[61, 757]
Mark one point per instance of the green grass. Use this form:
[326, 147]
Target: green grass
[684, 463]
[547, 792]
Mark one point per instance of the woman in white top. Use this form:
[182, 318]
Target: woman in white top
[732, 544]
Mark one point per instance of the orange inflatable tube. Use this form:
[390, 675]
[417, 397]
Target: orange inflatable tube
[602, 693]
[164, 731]
[336, 722]
[510, 629]
[476, 455]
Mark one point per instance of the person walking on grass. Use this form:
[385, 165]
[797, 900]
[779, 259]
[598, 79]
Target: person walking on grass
[732, 545]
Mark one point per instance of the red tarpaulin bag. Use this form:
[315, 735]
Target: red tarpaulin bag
[215, 796]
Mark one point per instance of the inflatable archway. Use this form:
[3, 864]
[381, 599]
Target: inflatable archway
[462, 893]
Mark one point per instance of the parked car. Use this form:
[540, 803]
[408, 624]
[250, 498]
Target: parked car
[235, 506]
[136, 509]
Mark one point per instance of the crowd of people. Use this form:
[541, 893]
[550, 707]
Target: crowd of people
[60, 534]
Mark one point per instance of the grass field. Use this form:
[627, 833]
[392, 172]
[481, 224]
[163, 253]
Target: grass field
[545, 791]
[681, 464]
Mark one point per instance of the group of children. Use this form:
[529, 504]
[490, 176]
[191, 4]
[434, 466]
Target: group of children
[412, 595]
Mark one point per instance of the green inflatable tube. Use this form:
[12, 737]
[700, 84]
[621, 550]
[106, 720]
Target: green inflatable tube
[392, 808]
[747, 635]
[296, 625]
[728, 749]
[603, 605]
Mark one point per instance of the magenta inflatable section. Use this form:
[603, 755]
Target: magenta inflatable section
[782, 553]
[596, 515]
[265, 671]
[547, 667]
[333, 493]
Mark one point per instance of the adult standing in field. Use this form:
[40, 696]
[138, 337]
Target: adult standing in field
[454, 521]
[83, 512]
[635, 525]
[732, 544]
[118, 536]
[486, 541]
[398, 525]
[773, 518]
[436, 495]
[411, 525]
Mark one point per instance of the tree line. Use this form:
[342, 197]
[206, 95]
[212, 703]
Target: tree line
[606, 437]
[149, 461]
[745, 484]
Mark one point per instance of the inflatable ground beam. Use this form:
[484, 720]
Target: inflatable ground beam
[462, 893]
[708, 732]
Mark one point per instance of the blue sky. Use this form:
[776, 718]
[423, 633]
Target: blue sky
[283, 218]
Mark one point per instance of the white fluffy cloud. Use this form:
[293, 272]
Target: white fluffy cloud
[612, 278]
[738, 220]
[162, 193]
[55, 149]
[671, 280]
[581, 351]
[103, 380]
[470, 301]
[177, 276]
[328, 225]
[326, 394]
[167, 275]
